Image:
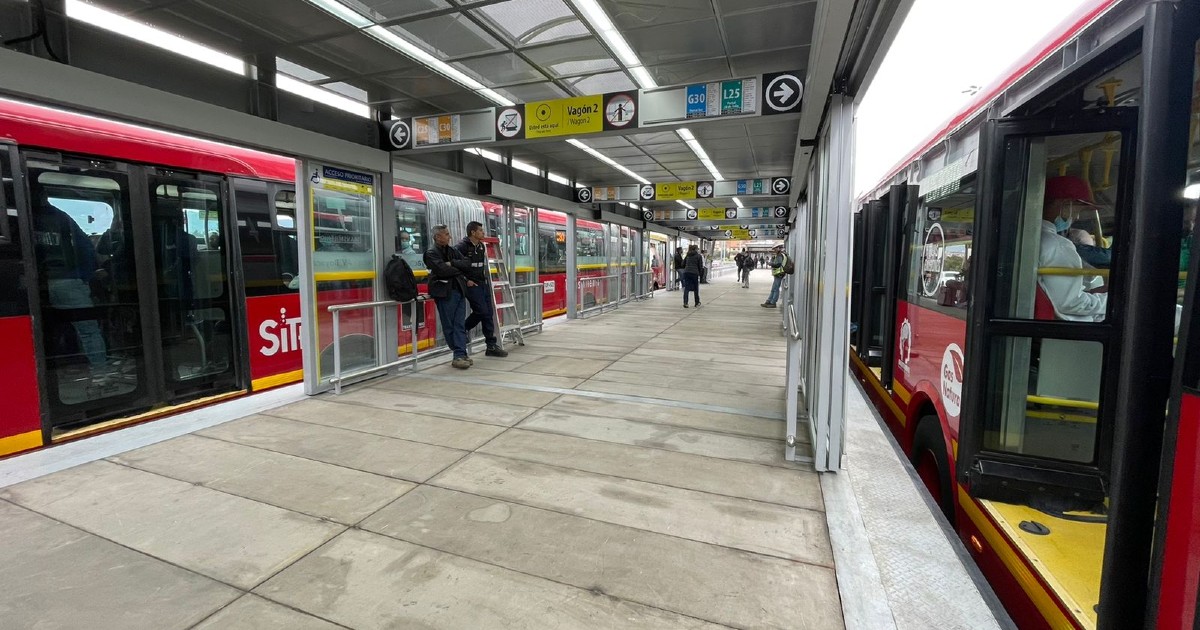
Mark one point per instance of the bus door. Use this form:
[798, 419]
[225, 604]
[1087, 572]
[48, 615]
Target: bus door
[871, 326]
[898, 200]
[1044, 352]
[858, 275]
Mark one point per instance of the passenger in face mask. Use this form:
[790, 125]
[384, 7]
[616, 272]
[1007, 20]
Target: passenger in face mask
[1073, 300]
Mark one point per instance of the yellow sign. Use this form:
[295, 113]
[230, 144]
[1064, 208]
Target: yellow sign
[564, 116]
[741, 235]
[958, 215]
[672, 191]
[710, 214]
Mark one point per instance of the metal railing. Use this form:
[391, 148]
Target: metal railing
[793, 327]
[336, 310]
[594, 282]
[537, 292]
[645, 283]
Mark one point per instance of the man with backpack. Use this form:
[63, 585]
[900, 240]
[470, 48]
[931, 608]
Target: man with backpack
[745, 262]
[780, 266]
[473, 249]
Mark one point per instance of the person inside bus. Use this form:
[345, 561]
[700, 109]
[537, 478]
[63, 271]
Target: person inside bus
[448, 287]
[1092, 255]
[66, 263]
[478, 287]
[1075, 297]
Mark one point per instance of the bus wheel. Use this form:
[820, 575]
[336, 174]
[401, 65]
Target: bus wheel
[933, 465]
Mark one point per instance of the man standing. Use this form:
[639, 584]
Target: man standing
[678, 263]
[705, 261]
[448, 286]
[744, 264]
[473, 249]
[778, 261]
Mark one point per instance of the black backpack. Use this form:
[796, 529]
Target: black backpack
[400, 281]
[789, 267]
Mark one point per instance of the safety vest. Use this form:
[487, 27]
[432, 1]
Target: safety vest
[778, 271]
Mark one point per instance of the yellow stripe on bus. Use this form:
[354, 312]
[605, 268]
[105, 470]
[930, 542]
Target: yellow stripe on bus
[423, 344]
[870, 378]
[341, 276]
[901, 392]
[593, 266]
[268, 382]
[20, 442]
[555, 312]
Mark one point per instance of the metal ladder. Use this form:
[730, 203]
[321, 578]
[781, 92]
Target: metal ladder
[506, 308]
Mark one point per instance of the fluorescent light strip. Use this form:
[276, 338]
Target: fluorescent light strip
[694, 145]
[147, 34]
[321, 95]
[738, 202]
[343, 13]
[604, 27]
[685, 205]
[1192, 192]
[607, 160]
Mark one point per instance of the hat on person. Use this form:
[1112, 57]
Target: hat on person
[1068, 187]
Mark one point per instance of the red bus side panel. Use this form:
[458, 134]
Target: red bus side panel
[18, 372]
[274, 323]
[1181, 554]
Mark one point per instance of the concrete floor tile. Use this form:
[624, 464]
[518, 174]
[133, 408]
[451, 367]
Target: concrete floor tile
[390, 457]
[740, 373]
[302, 485]
[434, 403]
[367, 582]
[691, 383]
[797, 488]
[707, 357]
[473, 392]
[714, 583]
[575, 352]
[56, 576]
[784, 532]
[655, 435]
[744, 404]
[397, 424]
[193, 527]
[564, 366]
[521, 378]
[252, 612]
[736, 424]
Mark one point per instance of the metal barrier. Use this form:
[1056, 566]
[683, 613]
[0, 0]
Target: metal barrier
[645, 285]
[537, 290]
[338, 378]
[793, 327]
[594, 282]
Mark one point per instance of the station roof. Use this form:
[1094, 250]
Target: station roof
[420, 57]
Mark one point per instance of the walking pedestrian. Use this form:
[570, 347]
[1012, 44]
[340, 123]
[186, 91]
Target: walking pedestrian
[482, 314]
[448, 286]
[745, 262]
[691, 275]
[678, 264]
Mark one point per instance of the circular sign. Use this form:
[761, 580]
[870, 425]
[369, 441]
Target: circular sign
[932, 258]
[952, 379]
[728, 233]
[646, 192]
[704, 190]
[691, 214]
[647, 215]
[781, 185]
[543, 112]
[584, 195]
[620, 110]
[744, 227]
[509, 122]
[752, 233]
[730, 213]
[400, 134]
[781, 211]
[784, 92]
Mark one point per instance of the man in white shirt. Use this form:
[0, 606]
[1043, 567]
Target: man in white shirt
[1076, 298]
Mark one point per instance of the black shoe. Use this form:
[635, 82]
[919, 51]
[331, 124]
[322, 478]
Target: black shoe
[496, 351]
[768, 305]
[697, 305]
[685, 306]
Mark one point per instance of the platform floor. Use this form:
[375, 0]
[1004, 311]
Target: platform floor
[623, 471]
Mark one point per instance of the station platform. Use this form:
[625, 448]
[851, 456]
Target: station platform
[621, 471]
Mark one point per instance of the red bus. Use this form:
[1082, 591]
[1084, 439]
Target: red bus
[1023, 317]
[144, 272]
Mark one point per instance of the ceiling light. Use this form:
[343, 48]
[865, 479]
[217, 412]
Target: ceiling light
[1192, 192]
[643, 78]
[738, 202]
[607, 160]
[343, 12]
[595, 16]
[95, 16]
[321, 95]
[685, 205]
[686, 135]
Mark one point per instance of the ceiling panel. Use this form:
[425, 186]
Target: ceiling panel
[502, 69]
[529, 22]
[629, 14]
[759, 63]
[662, 137]
[607, 142]
[298, 21]
[458, 101]
[769, 126]
[601, 83]
[725, 7]
[449, 36]
[691, 71]
[352, 55]
[383, 10]
[694, 40]
[761, 30]
[583, 56]
[531, 92]
[419, 83]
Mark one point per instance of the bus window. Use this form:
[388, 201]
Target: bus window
[411, 232]
[940, 255]
[287, 254]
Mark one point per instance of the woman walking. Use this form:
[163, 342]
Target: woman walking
[691, 274]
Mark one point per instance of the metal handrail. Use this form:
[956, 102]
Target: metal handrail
[793, 327]
[647, 288]
[535, 315]
[336, 310]
[608, 298]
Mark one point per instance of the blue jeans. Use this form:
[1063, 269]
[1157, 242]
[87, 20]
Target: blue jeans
[774, 297]
[481, 312]
[452, 311]
[691, 284]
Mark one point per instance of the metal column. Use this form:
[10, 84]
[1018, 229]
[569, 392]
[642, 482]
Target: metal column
[572, 271]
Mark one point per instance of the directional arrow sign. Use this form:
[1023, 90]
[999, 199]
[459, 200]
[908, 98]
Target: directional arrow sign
[781, 185]
[400, 134]
[782, 92]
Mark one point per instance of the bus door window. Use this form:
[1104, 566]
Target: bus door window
[287, 245]
[91, 325]
[193, 296]
[524, 266]
[13, 298]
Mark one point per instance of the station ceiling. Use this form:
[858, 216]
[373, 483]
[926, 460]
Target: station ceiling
[527, 50]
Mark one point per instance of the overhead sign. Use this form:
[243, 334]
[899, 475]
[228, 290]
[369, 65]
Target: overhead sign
[400, 134]
[620, 110]
[429, 130]
[714, 214]
[782, 93]
[510, 122]
[697, 99]
[683, 191]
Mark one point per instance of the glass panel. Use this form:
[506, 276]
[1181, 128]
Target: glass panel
[193, 297]
[287, 245]
[524, 268]
[83, 248]
[527, 22]
[412, 232]
[1058, 226]
[261, 265]
[942, 230]
[342, 230]
[591, 263]
[1045, 396]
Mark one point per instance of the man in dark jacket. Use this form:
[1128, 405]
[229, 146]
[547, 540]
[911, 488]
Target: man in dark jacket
[678, 266]
[448, 286]
[473, 249]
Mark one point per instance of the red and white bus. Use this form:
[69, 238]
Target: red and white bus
[144, 272]
[1024, 318]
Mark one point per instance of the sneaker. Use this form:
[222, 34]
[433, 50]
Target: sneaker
[697, 305]
[768, 305]
[685, 306]
[496, 351]
[461, 363]
[470, 361]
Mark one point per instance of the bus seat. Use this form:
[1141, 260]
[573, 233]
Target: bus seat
[1043, 308]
